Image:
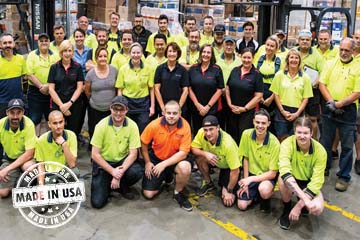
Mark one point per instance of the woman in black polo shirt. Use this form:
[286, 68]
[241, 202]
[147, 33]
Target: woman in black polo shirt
[206, 85]
[171, 79]
[66, 81]
[244, 90]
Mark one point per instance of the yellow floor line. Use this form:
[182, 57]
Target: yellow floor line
[228, 226]
[346, 214]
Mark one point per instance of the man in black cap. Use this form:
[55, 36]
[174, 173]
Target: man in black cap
[38, 64]
[115, 146]
[219, 35]
[17, 136]
[213, 147]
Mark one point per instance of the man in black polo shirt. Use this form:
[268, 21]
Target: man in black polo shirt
[140, 33]
[247, 41]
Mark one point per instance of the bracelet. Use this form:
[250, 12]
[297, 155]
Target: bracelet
[72, 102]
[246, 109]
[63, 142]
[209, 105]
[229, 190]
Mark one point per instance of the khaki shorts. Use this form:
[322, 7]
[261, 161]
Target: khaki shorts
[13, 175]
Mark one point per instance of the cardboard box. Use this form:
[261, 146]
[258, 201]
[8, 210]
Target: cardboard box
[123, 11]
[103, 3]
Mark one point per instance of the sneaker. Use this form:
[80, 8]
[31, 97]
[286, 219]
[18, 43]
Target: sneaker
[357, 167]
[285, 221]
[265, 205]
[341, 185]
[205, 188]
[126, 193]
[183, 201]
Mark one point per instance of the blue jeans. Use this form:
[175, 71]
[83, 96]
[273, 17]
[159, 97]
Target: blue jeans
[347, 134]
[101, 180]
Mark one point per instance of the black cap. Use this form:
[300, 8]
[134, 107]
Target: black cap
[210, 120]
[16, 103]
[45, 35]
[119, 100]
[219, 28]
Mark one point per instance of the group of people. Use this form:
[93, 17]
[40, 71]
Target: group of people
[157, 102]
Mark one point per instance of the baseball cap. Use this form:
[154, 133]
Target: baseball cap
[279, 32]
[16, 103]
[119, 100]
[229, 39]
[210, 120]
[219, 28]
[304, 33]
[45, 35]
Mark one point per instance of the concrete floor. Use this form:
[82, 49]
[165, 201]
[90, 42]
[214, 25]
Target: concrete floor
[163, 219]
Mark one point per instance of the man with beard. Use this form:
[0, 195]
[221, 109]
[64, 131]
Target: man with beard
[115, 146]
[163, 23]
[190, 53]
[141, 34]
[259, 149]
[102, 37]
[90, 39]
[189, 24]
[17, 136]
[114, 33]
[13, 67]
[219, 36]
[340, 87]
[213, 147]
[170, 136]
[57, 145]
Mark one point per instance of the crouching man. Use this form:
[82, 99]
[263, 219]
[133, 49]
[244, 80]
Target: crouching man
[213, 147]
[17, 136]
[259, 150]
[302, 163]
[115, 145]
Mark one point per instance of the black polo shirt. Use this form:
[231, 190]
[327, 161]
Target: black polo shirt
[243, 88]
[205, 84]
[65, 80]
[172, 82]
[142, 37]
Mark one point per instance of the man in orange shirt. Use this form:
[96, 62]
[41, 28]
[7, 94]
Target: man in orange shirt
[171, 139]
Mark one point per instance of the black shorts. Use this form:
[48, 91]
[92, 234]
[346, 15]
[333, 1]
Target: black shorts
[313, 106]
[254, 190]
[154, 183]
[224, 178]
